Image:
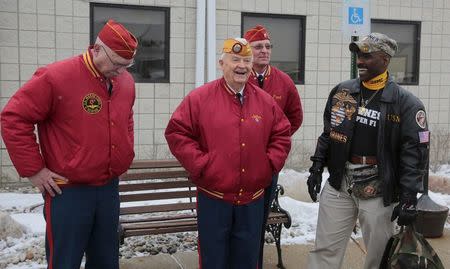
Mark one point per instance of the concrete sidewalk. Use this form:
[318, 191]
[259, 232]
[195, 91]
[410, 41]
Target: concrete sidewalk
[294, 256]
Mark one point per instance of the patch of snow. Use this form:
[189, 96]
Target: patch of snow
[34, 222]
[19, 202]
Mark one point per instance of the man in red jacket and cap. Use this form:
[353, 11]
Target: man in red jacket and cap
[231, 137]
[281, 87]
[83, 110]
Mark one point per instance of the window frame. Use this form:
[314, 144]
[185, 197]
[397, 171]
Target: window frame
[165, 10]
[301, 36]
[416, 40]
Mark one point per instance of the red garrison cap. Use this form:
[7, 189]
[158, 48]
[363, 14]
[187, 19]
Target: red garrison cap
[257, 33]
[119, 39]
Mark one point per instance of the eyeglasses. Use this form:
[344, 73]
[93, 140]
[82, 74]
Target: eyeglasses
[118, 65]
[261, 46]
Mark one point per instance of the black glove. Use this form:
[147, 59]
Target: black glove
[406, 210]
[315, 180]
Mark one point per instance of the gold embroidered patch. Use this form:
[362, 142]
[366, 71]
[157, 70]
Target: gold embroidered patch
[344, 105]
[92, 103]
[338, 137]
[364, 48]
[393, 118]
[276, 97]
[257, 118]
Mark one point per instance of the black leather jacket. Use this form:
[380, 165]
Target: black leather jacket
[402, 144]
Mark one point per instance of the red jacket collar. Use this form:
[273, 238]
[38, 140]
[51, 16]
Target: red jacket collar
[87, 60]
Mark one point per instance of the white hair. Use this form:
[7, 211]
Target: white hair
[223, 55]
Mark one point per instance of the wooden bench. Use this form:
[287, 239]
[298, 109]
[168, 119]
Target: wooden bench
[156, 197]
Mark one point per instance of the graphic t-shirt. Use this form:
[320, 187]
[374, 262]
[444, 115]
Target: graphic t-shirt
[364, 142]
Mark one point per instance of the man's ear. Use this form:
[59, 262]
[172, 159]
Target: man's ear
[221, 64]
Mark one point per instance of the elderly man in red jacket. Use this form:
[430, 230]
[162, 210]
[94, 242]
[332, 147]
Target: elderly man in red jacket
[231, 137]
[83, 110]
[281, 87]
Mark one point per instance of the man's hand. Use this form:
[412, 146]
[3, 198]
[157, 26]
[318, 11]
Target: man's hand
[314, 181]
[44, 180]
[405, 211]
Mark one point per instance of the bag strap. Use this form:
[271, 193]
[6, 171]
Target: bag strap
[387, 253]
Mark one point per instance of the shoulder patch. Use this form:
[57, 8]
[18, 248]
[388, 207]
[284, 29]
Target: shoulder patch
[421, 119]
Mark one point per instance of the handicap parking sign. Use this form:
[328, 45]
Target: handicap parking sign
[355, 18]
[355, 15]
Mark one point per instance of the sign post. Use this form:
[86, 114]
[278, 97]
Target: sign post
[355, 23]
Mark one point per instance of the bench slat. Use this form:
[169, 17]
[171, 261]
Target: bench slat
[155, 185]
[276, 215]
[154, 175]
[161, 218]
[156, 208]
[189, 228]
[157, 196]
[272, 218]
[152, 164]
[157, 225]
[277, 220]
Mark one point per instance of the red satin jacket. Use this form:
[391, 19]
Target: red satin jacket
[84, 133]
[281, 87]
[230, 150]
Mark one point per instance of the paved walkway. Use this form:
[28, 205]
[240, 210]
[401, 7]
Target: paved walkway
[294, 256]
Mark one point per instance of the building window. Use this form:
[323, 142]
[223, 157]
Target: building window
[150, 25]
[287, 34]
[404, 66]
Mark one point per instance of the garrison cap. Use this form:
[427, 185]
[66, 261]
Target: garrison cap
[238, 46]
[119, 39]
[257, 33]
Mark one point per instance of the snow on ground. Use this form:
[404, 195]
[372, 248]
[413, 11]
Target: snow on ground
[19, 202]
[34, 222]
[443, 170]
[303, 213]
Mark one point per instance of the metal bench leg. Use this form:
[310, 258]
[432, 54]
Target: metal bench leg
[275, 230]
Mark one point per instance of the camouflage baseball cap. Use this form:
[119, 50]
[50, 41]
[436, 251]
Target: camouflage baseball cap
[373, 43]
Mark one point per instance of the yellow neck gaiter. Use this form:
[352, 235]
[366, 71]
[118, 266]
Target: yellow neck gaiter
[377, 83]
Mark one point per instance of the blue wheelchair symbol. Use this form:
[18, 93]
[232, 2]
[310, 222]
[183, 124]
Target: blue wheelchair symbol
[355, 15]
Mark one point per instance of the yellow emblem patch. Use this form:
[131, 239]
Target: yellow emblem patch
[276, 97]
[338, 137]
[92, 103]
[365, 48]
[257, 118]
[393, 118]
[344, 106]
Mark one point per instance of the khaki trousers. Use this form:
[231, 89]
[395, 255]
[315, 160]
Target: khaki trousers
[338, 212]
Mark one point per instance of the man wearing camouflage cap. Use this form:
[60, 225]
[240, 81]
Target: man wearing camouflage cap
[375, 145]
[231, 137]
